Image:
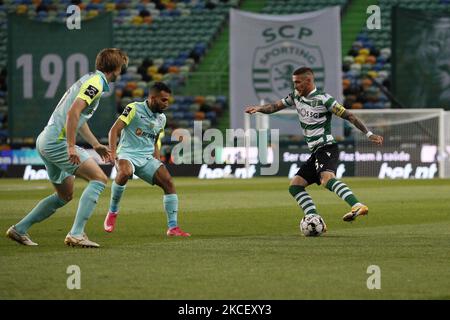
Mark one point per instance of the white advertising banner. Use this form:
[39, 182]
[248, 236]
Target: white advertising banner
[266, 49]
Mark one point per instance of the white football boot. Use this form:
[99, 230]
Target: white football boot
[82, 241]
[20, 238]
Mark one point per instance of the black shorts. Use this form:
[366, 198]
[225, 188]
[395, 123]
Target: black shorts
[323, 159]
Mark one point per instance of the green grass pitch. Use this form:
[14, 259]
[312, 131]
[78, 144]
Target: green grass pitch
[246, 243]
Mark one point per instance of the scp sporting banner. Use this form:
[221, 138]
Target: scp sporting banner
[266, 49]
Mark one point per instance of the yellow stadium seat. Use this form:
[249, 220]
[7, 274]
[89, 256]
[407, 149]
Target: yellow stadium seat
[137, 20]
[157, 77]
[137, 93]
[110, 6]
[92, 13]
[152, 70]
[364, 52]
[372, 74]
[21, 9]
[360, 59]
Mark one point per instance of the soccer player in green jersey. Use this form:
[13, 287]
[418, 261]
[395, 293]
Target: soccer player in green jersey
[315, 109]
[139, 128]
[63, 159]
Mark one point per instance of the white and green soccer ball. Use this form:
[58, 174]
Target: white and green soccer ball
[312, 225]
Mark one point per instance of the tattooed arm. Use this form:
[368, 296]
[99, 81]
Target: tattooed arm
[347, 115]
[267, 108]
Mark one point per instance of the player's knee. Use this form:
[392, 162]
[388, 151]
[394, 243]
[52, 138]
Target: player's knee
[123, 176]
[298, 181]
[121, 179]
[66, 197]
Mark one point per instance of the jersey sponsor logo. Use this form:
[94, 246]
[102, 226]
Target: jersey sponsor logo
[91, 91]
[126, 111]
[309, 114]
[141, 133]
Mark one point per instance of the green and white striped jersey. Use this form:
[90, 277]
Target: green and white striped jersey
[314, 112]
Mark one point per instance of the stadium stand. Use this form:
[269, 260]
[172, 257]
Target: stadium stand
[294, 6]
[165, 41]
[174, 36]
[368, 61]
[366, 66]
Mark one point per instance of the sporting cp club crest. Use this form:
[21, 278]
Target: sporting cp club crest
[273, 66]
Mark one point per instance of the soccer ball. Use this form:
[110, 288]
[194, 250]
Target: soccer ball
[312, 225]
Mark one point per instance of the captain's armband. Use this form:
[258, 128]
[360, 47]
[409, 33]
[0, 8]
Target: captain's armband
[338, 109]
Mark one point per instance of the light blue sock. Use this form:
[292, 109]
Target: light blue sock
[86, 206]
[44, 209]
[171, 207]
[116, 195]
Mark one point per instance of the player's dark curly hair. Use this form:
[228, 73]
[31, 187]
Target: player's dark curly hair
[160, 86]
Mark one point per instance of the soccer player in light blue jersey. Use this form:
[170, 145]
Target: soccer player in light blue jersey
[315, 109]
[63, 159]
[139, 128]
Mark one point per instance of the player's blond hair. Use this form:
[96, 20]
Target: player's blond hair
[110, 59]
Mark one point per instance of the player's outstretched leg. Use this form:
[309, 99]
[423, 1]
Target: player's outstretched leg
[44, 209]
[124, 172]
[344, 192]
[304, 200]
[163, 179]
[90, 171]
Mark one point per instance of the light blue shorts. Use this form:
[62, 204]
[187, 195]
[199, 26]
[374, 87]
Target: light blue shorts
[56, 159]
[144, 167]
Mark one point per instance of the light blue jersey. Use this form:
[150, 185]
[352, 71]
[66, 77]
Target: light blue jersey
[138, 138]
[89, 88]
[51, 143]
